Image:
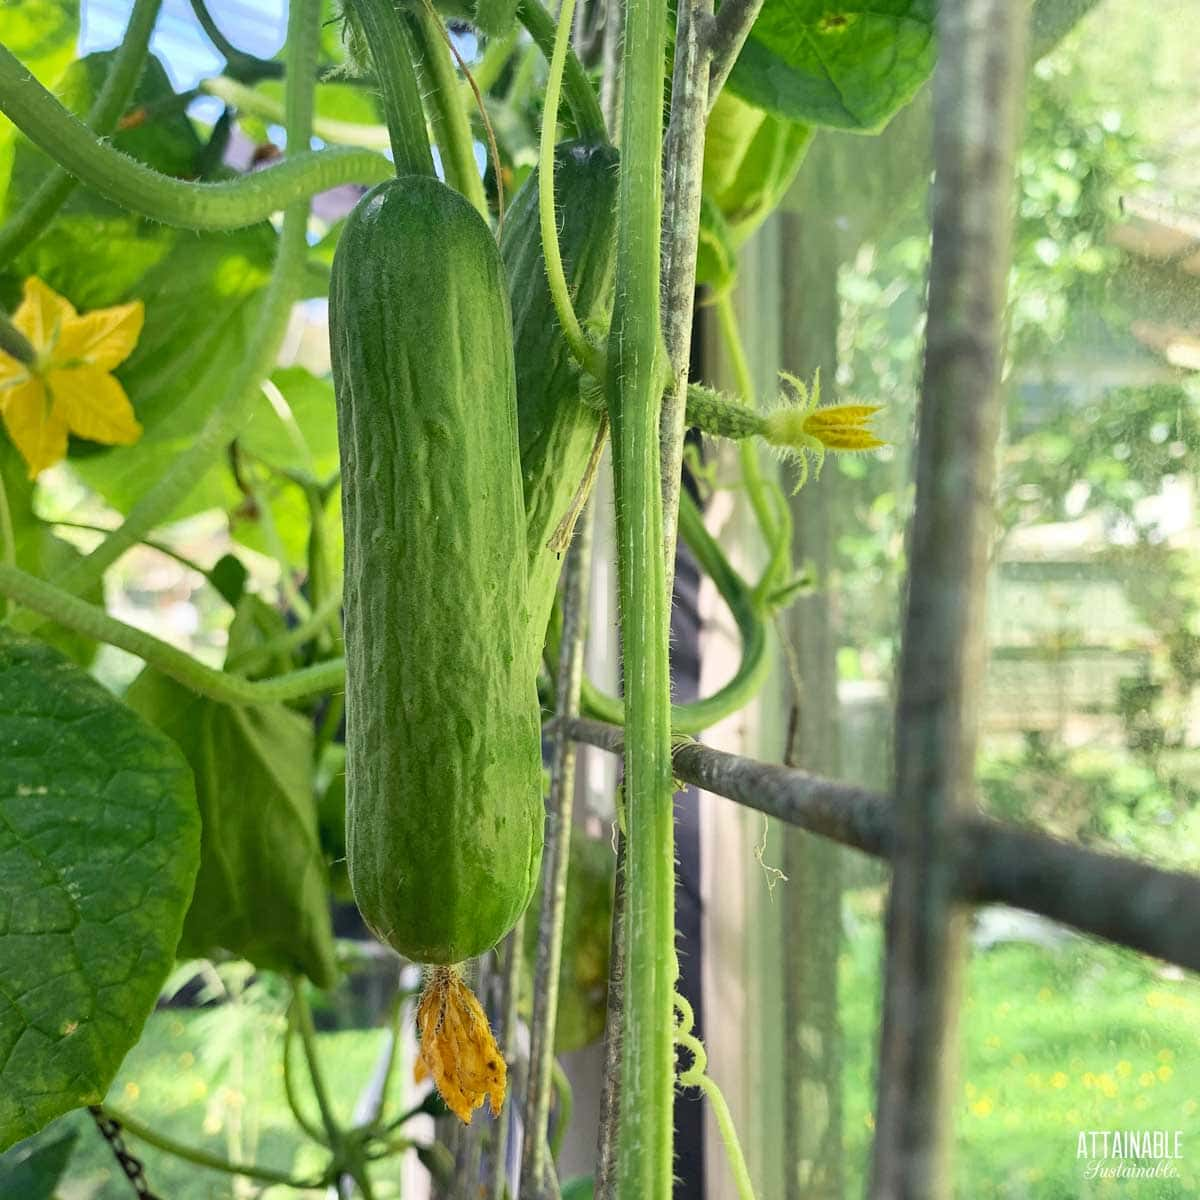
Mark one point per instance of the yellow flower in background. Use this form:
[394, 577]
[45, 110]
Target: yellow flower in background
[68, 388]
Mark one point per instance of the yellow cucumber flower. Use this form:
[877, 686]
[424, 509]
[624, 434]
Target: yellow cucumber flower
[457, 1047]
[806, 428]
[68, 388]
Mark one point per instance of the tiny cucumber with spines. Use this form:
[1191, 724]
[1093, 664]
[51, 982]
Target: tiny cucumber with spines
[556, 431]
[444, 813]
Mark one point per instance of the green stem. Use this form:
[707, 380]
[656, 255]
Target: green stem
[581, 96]
[276, 549]
[746, 609]
[585, 353]
[31, 219]
[289, 1085]
[707, 410]
[308, 629]
[72, 613]
[729, 1137]
[223, 205]
[392, 53]
[14, 343]
[396, 1032]
[202, 1158]
[637, 367]
[8, 541]
[308, 1039]
[259, 104]
[240, 63]
[566, 1105]
[756, 489]
[451, 126]
[158, 547]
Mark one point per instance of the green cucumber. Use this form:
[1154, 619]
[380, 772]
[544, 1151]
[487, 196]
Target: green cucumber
[444, 811]
[557, 431]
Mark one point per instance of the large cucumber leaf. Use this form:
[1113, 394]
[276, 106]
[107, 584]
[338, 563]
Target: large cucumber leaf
[846, 66]
[261, 892]
[32, 1169]
[99, 844]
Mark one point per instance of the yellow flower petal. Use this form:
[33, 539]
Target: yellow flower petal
[42, 313]
[37, 432]
[94, 405]
[457, 1047]
[103, 338]
[12, 372]
[840, 414]
[848, 437]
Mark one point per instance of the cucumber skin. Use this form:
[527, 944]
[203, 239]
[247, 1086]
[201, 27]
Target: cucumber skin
[444, 813]
[556, 430]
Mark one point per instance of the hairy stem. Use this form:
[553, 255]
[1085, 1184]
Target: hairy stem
[684, 168]
[698, 715]
[728, 34]
[391, 50]
[72, 613]
[635, 384]
[31, 219]
[450, 123]
[581, 96]
[560, 293]
[510, 994]
[224, 205]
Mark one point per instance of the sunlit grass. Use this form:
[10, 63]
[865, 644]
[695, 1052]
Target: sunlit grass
[1055, 1042]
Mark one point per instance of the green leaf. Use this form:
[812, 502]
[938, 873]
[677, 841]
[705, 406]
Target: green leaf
[33, 1168]
[202, 302]
[296, 433]
[716, 260]
[99, 843]
[261, 892]
[750, 161]
[846, 66]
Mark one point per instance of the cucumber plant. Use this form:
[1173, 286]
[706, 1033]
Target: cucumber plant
[492, 329]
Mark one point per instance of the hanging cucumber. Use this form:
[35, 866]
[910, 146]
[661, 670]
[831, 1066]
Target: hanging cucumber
[443, 767]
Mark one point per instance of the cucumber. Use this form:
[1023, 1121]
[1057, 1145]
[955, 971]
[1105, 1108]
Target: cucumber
[556, 430]
[444, 811]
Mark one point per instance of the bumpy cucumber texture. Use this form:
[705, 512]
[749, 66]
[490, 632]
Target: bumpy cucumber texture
[444, 811]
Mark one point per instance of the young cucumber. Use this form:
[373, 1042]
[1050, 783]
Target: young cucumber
[556, 430]
[444, 811]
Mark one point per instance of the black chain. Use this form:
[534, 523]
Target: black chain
[131, 1166]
